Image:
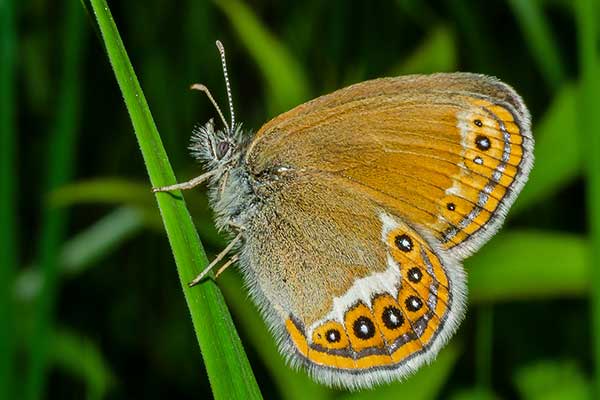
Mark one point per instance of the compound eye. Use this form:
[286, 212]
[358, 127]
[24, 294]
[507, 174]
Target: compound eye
[222, 149]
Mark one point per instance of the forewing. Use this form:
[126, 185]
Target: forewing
[448, 152]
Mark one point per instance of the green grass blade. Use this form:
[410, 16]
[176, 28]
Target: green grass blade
[81, 358]
[103, 191]
[525, 265]
[552, 380]
[101, 238]
[540, 40]
[81, 251]
[60, 164]
[124, 192]
[285, 78]
[226, 363]
[8, 231]
[589, 127]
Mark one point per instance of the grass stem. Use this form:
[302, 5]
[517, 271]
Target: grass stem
[589, 120]
[226, 362]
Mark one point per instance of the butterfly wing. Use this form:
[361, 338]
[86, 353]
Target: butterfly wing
[371, 196]
[351, 291]
[449, 152]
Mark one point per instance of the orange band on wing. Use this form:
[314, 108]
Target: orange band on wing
[494, 151]
[393, 329]
[352, 361]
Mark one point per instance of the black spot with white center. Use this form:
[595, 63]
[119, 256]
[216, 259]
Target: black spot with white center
[404, 243]
[483, 142]
[478, 160]
[392, 317]
[413, 303]
[478, 123]
[451, 206]
[415, 275]
[364, 328]
[333, 336]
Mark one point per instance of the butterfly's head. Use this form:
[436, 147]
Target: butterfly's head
[221, 151]
[218, 149]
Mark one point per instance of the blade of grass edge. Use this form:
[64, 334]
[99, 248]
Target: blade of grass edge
[589, 120]
[226, 362]
[8, 234]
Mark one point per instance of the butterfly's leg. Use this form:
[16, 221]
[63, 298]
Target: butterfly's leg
[233, 259]
[218, 258]
[224, 181]
[235, 226]
[186, 185]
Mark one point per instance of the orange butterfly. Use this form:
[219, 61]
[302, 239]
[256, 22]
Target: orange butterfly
[352, 214]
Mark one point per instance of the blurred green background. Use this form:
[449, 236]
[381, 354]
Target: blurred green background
[90, 304]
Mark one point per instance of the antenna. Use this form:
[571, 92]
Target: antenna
[222, 51]
[202, 88]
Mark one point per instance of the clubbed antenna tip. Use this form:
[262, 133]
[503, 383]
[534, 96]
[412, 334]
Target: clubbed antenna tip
[228, 87]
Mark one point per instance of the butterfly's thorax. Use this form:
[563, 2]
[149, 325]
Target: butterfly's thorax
[231, 198]
[237, 192]
[239, 195]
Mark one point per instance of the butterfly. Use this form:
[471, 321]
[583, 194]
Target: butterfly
[350, 215]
